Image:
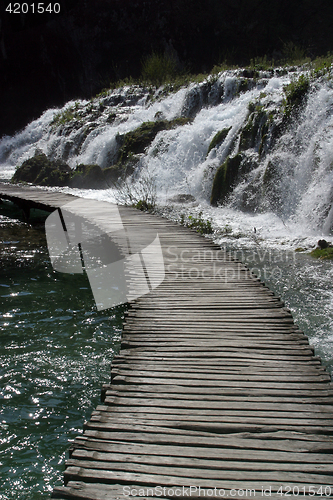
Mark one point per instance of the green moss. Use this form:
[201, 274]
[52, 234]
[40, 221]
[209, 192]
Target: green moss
[64, 117]
[218, 139]
[243, 85]
[271, 174]
[295, 94]
[225, 178]
[42, 171]
[255, 131]
[88, 176]
[114, 173]
[136, 141]
[325, 253]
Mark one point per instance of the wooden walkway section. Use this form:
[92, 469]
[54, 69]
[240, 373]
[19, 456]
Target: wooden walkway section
[28, 197]
[215, 392]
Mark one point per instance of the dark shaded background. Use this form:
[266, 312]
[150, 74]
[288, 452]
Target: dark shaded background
[46, 59]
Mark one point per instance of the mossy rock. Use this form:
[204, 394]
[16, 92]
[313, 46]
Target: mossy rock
[114, 173]
[296, 93]
[136, 141]
[218, 139]
[88, 177]
[225, 178]
[254, 131]
[42, 171]
[272, 174]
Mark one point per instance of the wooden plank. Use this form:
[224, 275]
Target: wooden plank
[227, 453]
[194, 439]
[204, 474]
[315, 467]
[107, 476]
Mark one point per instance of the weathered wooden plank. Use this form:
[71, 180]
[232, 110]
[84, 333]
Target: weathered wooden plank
[211, 473]
[191, 438]
[223, 424]
[235, 410]
[227, 453]
[107, 476]
[315, 467]
[174, 373]
[219, 383]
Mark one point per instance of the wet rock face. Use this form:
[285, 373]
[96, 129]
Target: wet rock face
[46, 60]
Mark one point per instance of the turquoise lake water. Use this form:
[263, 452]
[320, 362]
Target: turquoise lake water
[55, 354]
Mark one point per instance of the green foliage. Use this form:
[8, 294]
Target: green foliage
[325, 253]
[295, 94]
[144, 206]
[322, 66]
[201, 225]
[68, 115]
[261, 64]
[293, 55]
[158, 69]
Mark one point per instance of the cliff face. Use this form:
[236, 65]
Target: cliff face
[46, 59]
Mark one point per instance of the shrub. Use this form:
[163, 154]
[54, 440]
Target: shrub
[158, 69]
[140, 193]
[201, 225]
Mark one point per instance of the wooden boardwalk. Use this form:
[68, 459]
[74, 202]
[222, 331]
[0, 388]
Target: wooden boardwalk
[215, 392]
[214, 387]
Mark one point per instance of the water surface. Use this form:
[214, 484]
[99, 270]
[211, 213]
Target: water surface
[55, 354]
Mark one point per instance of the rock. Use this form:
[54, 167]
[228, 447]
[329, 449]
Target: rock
[42, 171]
[218, 139]
[323, 244]
[88, 177]
[225, 178]
[182, 198]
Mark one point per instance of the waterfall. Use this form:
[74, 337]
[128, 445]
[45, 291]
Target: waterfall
[267, 162]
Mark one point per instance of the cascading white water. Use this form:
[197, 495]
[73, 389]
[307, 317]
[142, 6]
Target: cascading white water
[86, 132]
